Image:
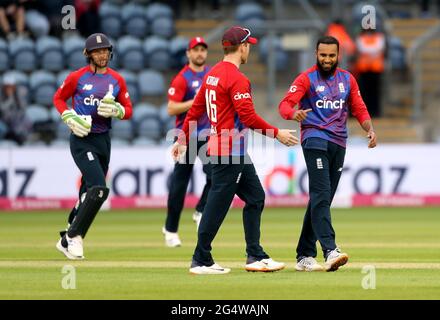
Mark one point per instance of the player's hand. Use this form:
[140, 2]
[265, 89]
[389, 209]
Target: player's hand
[178, 152]
[373, 139]
[300, 115]
[286, 137]
[80, 125]
[109, 108]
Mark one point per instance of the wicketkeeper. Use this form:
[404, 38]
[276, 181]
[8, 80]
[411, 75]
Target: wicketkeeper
[98, 94]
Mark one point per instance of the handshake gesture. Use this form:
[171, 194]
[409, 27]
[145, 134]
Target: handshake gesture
[286, 137]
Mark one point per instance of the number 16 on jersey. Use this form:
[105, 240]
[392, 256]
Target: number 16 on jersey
[211, 108]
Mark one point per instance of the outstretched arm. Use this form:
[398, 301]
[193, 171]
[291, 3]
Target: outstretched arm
[359, 110]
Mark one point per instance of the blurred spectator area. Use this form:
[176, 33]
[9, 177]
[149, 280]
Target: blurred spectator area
[150, 40]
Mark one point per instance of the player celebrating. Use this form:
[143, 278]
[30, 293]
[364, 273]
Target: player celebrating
[98, 94]
[325, 94]
[226, 96]
[180, 98]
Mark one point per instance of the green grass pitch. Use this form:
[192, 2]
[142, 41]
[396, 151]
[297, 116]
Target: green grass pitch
[126, 257]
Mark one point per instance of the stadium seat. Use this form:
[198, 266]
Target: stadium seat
[122, 130]
[256, 26]
[62, 131]
[157, 53]
[131, 55]
[37, 23]
[144, 109]
[4, 56]
[281, 56]
[247, 11]
[168, 122]
[61, 76]
[134, 21]
[163, 27]
[54, 114]
[50, 53]
[132, 85]
[151, 83]
[22, 53]
[111, 20]
[147, 121]
[150, 128]
[43, 85]
[73, 52]
[144, 142]
[178, 46]
[37, 113]
[158, 10]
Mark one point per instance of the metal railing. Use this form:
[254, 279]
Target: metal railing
[414, 57]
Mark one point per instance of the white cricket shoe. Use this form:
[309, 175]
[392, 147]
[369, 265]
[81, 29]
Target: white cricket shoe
[66, 252]
[197, 216]
[308, 264]
[214, 269]
[264, 265]
[334, 260]
[172, 239]
[75, 246]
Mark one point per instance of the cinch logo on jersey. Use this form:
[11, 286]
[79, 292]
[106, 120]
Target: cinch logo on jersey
[239, 96]
[328, 104]
[91, 101]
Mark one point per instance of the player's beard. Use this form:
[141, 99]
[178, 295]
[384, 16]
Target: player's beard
[326, 73]
[101, 63]
[199, 62]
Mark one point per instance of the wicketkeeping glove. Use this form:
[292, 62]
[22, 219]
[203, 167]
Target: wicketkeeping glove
[110, 108]
[80, 125]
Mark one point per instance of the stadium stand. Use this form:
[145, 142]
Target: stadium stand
[157, 53]
[134, 22]
[22, 53]
[50, 53]
[4, 56]
[131, 56]
[43, 85]
[73, 52]
[111, 20]
[150, 46]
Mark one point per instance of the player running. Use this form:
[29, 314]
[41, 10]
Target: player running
[98, 94]
[181, 94]
[325, 94]
[226, 96]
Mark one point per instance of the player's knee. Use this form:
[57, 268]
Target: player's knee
[320, 199]
[99, 193]
[258, 199]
